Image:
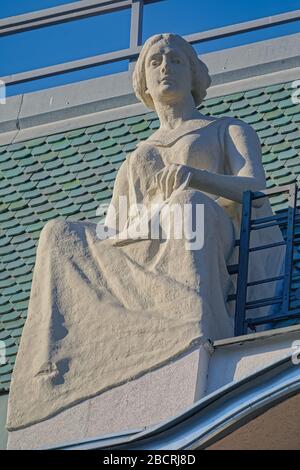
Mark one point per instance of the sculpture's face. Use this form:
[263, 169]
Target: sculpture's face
[168, 73]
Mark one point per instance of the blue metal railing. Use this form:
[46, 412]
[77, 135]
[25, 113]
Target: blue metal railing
[87, 8]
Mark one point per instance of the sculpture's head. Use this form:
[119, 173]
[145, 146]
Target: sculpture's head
[167, 69]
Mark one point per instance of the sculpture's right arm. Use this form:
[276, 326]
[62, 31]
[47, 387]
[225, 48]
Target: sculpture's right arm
[242, 149]
[118, 209]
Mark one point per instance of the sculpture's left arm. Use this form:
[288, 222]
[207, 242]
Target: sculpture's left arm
[242, 150]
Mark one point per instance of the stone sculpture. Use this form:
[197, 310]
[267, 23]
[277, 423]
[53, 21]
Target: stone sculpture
[104, 311]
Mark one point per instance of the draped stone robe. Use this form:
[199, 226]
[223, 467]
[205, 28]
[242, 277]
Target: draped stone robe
[103, 312]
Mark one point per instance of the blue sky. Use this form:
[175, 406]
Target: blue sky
[99, 34]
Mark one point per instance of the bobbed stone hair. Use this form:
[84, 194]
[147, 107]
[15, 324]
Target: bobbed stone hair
[199, 71]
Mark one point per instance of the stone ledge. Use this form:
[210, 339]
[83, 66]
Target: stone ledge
[240, 340]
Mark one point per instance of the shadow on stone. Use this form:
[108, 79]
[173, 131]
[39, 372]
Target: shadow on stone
[63, 368]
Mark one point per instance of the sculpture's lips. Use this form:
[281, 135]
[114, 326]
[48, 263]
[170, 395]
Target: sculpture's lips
[166, 79]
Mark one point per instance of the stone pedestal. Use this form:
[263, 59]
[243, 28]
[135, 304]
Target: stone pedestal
[150, 399]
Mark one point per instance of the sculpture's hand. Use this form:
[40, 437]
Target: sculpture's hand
[171, 177]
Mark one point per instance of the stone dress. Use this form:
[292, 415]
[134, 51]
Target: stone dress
[102, 313]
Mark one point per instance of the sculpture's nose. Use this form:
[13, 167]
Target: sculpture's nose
[165, 65]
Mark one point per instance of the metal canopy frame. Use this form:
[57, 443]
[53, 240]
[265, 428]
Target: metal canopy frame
[63, 13]
[87, 8]
[60, 14]
[69, 12]
[286, 220]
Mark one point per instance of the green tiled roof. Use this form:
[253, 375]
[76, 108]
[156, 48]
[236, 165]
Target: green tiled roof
[70, 174]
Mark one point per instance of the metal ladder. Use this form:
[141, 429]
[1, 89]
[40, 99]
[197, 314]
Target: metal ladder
[288, 220]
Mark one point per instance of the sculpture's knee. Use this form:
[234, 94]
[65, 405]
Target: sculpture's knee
[198, 208]
[53, 232]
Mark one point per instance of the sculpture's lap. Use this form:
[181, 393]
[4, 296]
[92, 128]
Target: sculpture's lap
[134, 305]
[214, 218]
[56, 231]
[68, 238]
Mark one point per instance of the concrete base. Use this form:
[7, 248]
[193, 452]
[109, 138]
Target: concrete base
[162, 393]
[148, 400]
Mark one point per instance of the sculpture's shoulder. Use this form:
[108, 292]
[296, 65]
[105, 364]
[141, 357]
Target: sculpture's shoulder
[227, 121]
[231, 123]
[241, 146]
[233, 132]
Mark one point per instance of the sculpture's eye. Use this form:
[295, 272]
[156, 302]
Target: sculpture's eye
[154, 62]
[176, 60]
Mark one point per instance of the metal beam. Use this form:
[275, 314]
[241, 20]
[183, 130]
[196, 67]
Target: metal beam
[136, 23]
[136, 27]
[241, 291]
[86, 8]
[71, 66]
[60, 14]
[288, 270]
[247, 26]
